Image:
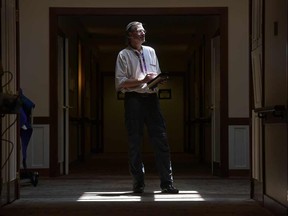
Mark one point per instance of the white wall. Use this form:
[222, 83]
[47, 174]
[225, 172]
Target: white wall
[238, 68]
[34, 45]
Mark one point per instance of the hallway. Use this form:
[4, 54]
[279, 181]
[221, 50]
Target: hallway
[99, 187]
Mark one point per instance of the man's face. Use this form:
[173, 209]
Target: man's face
[138, 34]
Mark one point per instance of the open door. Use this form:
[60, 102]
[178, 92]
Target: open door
[63, 109]
[256, 54]
[215, 104]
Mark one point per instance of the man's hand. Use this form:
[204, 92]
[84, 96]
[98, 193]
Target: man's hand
[149, 77]
[131, 83]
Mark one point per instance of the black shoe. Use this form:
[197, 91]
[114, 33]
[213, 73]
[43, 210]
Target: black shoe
[169, 189]
[138, 188]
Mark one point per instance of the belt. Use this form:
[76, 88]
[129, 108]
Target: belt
[137, 94]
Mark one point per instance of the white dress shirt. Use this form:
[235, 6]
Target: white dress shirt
[130, 65]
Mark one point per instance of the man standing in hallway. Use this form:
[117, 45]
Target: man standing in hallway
[136, 65]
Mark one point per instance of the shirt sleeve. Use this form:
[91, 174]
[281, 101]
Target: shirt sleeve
[121, 72]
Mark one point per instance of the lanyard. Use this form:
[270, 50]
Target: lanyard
[141, 58]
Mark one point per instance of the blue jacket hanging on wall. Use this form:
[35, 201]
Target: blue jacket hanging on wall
[25, 124]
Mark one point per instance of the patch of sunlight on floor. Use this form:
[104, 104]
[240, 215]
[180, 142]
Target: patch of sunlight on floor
[128, 196]
[181, 196]
[109, 197]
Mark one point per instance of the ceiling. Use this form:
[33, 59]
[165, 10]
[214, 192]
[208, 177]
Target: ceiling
[166, 33]
[173, 37]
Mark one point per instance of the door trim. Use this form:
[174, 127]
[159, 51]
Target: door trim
[221, 11]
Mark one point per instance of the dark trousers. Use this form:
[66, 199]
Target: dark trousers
[140, 110]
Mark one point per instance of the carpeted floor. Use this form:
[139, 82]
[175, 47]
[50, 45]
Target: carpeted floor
[95, 189]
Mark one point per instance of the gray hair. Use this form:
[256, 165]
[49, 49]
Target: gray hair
[131, 26]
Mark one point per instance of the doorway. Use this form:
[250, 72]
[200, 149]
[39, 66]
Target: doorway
[158, 42]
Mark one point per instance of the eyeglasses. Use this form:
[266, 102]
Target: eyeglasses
[140, 31]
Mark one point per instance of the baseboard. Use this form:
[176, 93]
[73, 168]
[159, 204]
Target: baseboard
[41, 172]
[257, 191]
[216, 169]
[239, 173]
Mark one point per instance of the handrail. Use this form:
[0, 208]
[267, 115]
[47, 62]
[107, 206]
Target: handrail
[279, 111]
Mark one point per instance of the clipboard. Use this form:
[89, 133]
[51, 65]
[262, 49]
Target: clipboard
[158, 79]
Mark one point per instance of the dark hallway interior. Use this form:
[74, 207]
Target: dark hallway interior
[94, 100]
[102, 186]
[233, 47]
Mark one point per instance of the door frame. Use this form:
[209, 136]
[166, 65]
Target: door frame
[55, 12]
[215, 104]
[63, 94]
